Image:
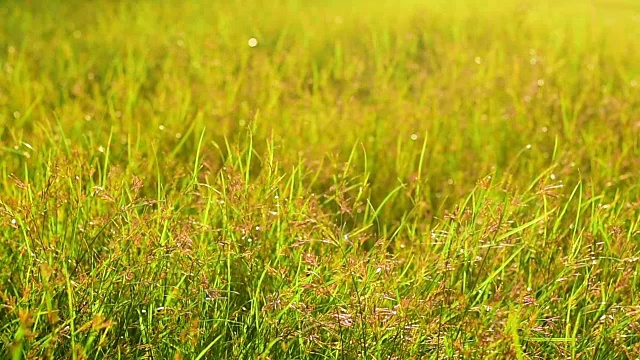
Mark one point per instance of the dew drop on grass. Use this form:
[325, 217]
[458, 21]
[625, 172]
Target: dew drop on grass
[253, 42]
[540, 82]
[13, 221]
[414, 137]
[478, 60]
[16, 114]
[101, 149]
[161, 127]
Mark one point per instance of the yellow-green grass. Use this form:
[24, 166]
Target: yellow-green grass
[383, 180]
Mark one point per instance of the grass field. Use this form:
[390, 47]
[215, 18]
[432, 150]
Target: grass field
[320, 180]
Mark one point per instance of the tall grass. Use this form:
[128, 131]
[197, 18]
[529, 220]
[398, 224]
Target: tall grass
[378, 180]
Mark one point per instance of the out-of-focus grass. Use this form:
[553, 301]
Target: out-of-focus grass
[381, 180]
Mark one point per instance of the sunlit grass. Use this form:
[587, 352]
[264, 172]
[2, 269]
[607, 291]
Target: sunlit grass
[404, 179]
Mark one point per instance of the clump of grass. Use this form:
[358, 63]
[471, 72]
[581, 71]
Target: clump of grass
[416, 181]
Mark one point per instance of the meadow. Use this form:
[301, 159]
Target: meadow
[320, 179]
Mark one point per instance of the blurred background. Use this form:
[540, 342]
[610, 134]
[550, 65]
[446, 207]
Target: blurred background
[498, 87]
